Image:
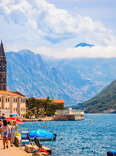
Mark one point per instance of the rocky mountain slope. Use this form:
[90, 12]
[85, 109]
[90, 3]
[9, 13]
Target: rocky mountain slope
[74, 80]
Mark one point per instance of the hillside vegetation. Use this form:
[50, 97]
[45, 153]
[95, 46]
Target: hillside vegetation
[105, 101]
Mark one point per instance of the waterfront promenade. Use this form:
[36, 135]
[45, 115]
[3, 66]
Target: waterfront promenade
[12, 151]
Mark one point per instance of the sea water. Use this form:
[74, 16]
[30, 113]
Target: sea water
[93, 136]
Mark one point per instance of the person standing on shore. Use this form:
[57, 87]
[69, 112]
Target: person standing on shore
[10, 133]
[5, 131]
[0, 129]
[14, 129]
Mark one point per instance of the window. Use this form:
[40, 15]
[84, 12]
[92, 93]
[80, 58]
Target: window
[14, 99]
[1, 79]
[3, 68]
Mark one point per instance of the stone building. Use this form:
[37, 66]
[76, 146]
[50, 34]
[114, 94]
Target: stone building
[10, 102]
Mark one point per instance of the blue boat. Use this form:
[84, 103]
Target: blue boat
[111, 153]
[42, 135]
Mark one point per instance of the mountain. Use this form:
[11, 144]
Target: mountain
[74, 80]
[84, 45]
[29, 74]
[105, 101]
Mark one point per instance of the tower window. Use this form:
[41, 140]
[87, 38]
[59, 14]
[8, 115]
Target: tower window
[1, 79]
[3, 68]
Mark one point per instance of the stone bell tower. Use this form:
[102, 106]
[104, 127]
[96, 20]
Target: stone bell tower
[3, 68]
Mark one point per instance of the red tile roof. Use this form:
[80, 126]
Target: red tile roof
[7, 92]
[53, 100]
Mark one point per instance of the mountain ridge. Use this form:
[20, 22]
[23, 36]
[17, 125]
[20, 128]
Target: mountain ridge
[74, 80]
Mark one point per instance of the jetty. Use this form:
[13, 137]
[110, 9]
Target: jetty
[69, 114]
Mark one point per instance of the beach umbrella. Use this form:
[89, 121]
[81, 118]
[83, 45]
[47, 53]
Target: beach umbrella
[41, 134]
[14, 114]
[18, 121]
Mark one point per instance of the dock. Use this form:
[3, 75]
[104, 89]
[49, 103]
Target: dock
[69, 114]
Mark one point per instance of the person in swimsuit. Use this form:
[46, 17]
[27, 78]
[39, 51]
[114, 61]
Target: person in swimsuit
[5, 131]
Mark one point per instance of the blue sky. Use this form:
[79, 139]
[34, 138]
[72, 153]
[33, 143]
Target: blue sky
[54, 27]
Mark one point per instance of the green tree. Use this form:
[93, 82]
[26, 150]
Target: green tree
[42, 107]
[29, 114]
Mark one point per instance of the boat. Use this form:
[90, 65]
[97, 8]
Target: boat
[42, 135]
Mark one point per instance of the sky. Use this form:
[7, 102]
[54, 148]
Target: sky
[54, 27]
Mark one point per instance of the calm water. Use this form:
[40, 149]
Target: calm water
[93, 136]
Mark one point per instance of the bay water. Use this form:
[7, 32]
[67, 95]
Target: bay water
[93, 136]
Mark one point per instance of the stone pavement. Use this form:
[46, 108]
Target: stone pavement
[12, 151]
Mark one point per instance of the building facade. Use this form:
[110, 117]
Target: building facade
[10, 102]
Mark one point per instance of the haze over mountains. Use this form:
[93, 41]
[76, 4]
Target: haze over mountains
[74, 80]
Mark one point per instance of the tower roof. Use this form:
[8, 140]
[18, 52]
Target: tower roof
[2, 53]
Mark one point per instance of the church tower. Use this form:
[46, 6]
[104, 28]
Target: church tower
[3, 69]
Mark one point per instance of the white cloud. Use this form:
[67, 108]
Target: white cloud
[37, 23]
[97, 51]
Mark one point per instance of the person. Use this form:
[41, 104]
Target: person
[10, 133]
[1, 128]
[13, 130]
[5, 131]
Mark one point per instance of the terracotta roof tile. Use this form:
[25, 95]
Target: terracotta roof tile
[53, 100]
[7, 92]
